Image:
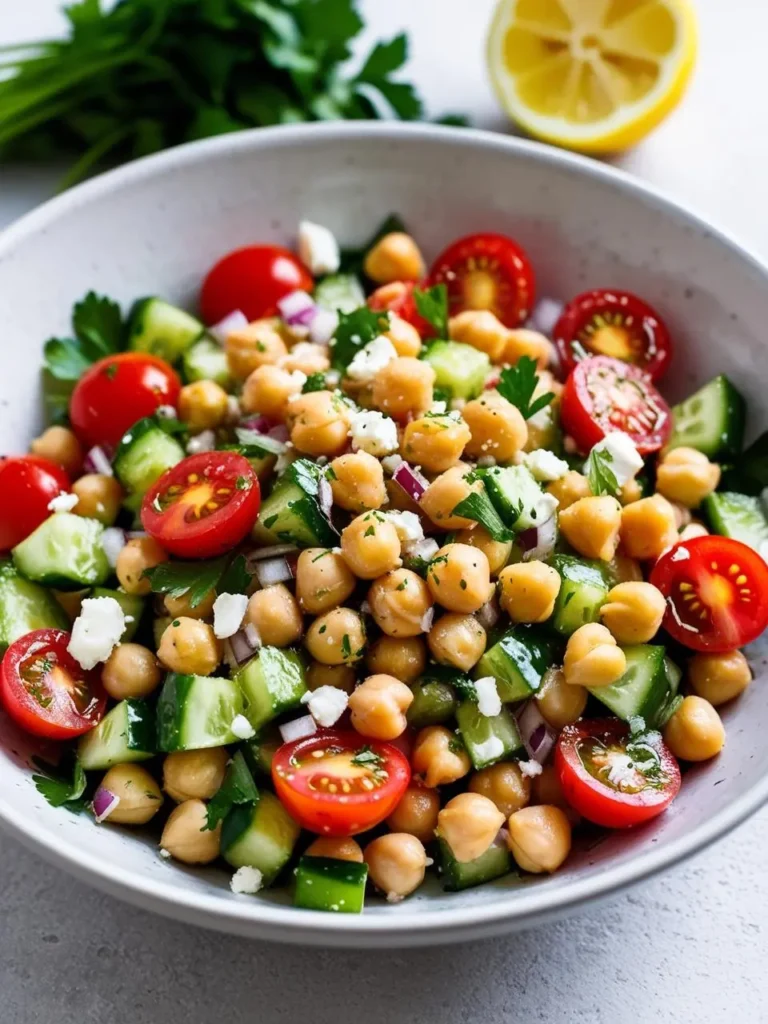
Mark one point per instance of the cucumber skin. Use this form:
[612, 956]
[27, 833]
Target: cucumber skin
[327, 884]
[25, 606]
[730, 441]
[433, 703]
[125, 461]
[518, 662]
[576, 573]
[171, 713]
[272, 682]
[458, 875]
[140, 736]
[94, 570]
[170, 338]
[260, 837]
[726, 511]
[503, 726]
[656, 695]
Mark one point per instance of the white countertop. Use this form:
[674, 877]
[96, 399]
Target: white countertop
[689, 946]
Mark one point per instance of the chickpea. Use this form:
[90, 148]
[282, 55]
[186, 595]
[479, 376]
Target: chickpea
[569, 489]
[404, 658]
[131, 671]
[341, 676]
[337, 637]
[481, 329]
[189, 647]
[445, 493]
[439, 756]
[337, 849]
[504, 785]
[633, 612]
[695, 732]
[592, 657]
[138, 554]
[648, 527]
[469, 823]
[522, 342]
[275, 613]
[319, 423]
[307, 358]
[591, 526]
[497, 552]
[405, 339]
[60, 445]
[693, 530]
[378, 707]
[203, 405]
[396, 864]
[719, 677]
[416, 814]
[539, 838]
[631, 491]
[559, 702]
[357, 482]
[371, 545]
[253, 346]
[686, 476]
[323, 580]
[457, 640]
[185, 835]
[267, 391]
[459, 578]
[139, 795]
[182, 606]
[194, 774]
[529, 591]
[497, 427]
[546, 789]
[434, 442]
[399, 602]
[395, 257]
[404, 387]
[99, 497]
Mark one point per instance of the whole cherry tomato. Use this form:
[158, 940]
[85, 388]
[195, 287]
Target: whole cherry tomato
[252, 280]
[27, 483]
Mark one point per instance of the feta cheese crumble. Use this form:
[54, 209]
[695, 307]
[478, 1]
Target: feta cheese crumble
[242, 728]
[488, 700]
[409, 528]
[318, 248]
[530, 769]
[544, 508]
[112, 543]
[96, 631]
[205, 441]
[373, 432]
[246, 881]
[390, 463]
[326, 704]
[544, 465]
[63, 503]
[490, 750]
[228, 612]
[371, 360]
[298, 378]
[626, 462]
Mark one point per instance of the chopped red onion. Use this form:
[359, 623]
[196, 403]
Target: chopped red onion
[489, 614]
[252, 636]
[260, 424]
[325, 495]
[538, 543]
[279, 433]
[234, 321]
[104, 802]
[323, 327]
[113, 540]
[99, 460]
[411, 481]
[298, 309]
[273, 570]
[240, 647]
[545, 315]
[427, 619]
[298, 728]
[261, 554]
[538, 737]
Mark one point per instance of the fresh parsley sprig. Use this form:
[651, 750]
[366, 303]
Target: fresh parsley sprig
[432, 304]
[196, 579]
[479, 507]
[602, 479]
[355, 331]
[97, 326]
[62, 785]
[237, 789]
[518, 383]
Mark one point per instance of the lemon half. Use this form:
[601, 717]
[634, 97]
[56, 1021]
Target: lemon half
[591, 75]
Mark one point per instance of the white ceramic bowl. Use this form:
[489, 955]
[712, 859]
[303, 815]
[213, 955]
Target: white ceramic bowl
[157, 225]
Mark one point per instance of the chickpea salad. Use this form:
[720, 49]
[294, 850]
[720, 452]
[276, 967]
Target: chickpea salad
[370, 570]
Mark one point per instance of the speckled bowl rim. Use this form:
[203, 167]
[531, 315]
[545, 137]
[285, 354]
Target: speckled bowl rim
[522, 907]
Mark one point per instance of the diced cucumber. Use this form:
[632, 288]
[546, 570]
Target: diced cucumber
[126, 733]
[518, 662]
[144, 454]
[739, 516]
[459, 368]
[340, 292]
[195, 712]
[133, 608]
[583, 590]
[260, 837]
[206, 360]
[516, 495]
[643, 689]
[272, 682]
[434, 702]
[25, 606]
[324, 883]
[488, 739]
[64, 552]
[711, 420]
[156, 326]
[292, 514]
[260, 750]
[458, 875]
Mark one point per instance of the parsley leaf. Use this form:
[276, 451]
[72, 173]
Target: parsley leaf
[479, 507]
[61, 787]
[432, 304]
[237, 788]
[602, 479]
[517, 385]
[197, 579]
[355, 331]
[314, 382]
[373, 82]
[97, 325]
[366, 757]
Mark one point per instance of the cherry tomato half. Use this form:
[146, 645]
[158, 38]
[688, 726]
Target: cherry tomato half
[203, 506]
[604, 394]
[338, 783]
[612, 780]
[717, 593]
[618, 324]
[45, 691]
[397, 297]
[27, 483]
[252, 280]
[116, 392]
[487, 271]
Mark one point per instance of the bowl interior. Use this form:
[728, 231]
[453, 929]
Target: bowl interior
[155, 227]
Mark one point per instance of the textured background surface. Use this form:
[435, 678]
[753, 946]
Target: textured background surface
[686, 947]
